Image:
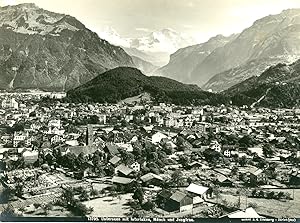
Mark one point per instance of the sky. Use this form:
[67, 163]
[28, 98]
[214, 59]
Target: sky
[201, 19]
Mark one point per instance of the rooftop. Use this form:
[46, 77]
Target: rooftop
[248, 213]
[196, 189]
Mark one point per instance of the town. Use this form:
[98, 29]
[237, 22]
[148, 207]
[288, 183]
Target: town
[139, 159]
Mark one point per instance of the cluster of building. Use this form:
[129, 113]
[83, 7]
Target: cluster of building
[211, 147]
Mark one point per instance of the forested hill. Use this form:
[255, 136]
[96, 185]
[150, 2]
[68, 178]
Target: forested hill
[124, 82]
[278, 86]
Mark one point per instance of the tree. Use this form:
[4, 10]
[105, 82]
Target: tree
[72, 129]
[8, 212]
[271, 194]
[114, 194]
[94, 119]
[184, 160]
[17, 127]
[217, 193]
[243, 161]
[253, 193]
[149, 206]
[138, 195]
[80, 209]
[261, 163]
[137, 152]
[70, 160]
[280, 195]
[84, 196]
[261, 194]
[268, 150]
[211, 156]
[22, 210]
[176, 177]
[6, 195]
[50, 159]
[81, 161]
[94, 193]
[246, 141]
[119, 197]
[47, 207]
[234, 171]
[19, 189]
[96, 159]
[109, 170]
[67, 197]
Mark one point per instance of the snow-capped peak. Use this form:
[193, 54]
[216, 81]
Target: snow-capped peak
[111, 35]
[165, 40]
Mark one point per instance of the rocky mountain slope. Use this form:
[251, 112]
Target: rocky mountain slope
[231, 77]
[125, 82]
[278, 86]
[184, 60]
[51, 51]
[272, 38]
[145, 66]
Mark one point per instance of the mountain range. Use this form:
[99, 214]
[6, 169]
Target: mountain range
[270, 40]
[155, 47]
[276, 87]
[56, 52]
[51, 51]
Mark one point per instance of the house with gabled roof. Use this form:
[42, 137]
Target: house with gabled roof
[111, 149]
[123, 170]
[176, 201]
[197, 192]
[257, 176]
[157, 137]
[151, 179]
[249, 213]
[30, 156]
[86, 150]
[224, 181]
[115, 160]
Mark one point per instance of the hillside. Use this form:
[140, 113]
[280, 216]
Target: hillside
[278, 86]
[184, 60]
[270, 40]
[143, 65]
[125, 82]
[231, 77]
[51, 51]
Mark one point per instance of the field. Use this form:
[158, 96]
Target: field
[270, 207]
[109, 206]
[30, 211]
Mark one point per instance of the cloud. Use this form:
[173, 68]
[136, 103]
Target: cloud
[8, 2]
[143, 29]
[188, 26]
[190, 4]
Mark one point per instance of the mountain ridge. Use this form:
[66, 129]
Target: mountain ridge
[157, 45]
[59, 54]
[184, 60]
[273, 36]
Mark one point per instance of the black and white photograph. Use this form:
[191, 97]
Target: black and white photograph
[150, 110]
